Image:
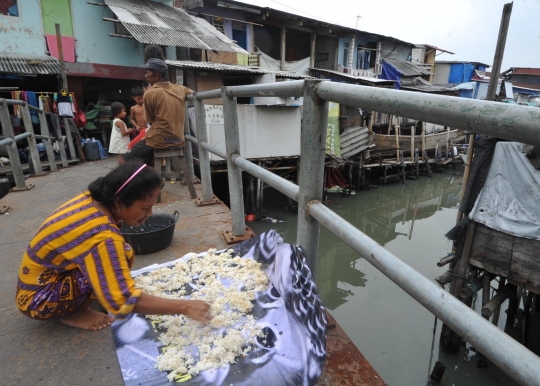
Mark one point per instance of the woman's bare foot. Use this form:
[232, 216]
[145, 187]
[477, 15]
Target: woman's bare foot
[88, 320]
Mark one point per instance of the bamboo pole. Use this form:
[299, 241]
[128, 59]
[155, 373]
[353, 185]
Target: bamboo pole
[461, 268]
[466, 175]
[503, 294]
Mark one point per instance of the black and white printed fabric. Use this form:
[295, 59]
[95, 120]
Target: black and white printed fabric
[290, 312]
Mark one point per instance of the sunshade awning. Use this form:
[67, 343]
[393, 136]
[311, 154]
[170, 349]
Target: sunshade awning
[151, 22]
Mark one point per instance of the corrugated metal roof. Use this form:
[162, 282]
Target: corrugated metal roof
[220, 67]
[407, 68]
[527, 71]
[354, 140]
[360, 78]
[29, 65]
[151, 22]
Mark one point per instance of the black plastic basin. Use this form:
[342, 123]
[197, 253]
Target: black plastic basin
[154, 235]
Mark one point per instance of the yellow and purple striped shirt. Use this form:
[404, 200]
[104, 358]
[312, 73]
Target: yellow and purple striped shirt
[77, 236]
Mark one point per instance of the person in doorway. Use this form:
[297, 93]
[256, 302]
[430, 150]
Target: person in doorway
[78, 255]
[119, 133]
[164, 106]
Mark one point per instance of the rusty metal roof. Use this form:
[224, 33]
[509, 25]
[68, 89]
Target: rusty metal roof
[151, 22]
[30, 65]
[229, 68]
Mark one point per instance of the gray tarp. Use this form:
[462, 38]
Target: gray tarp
[510, 199]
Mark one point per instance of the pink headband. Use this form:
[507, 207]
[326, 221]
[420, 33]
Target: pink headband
[129, 179]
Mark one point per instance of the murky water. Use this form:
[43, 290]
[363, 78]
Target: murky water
[390, 328]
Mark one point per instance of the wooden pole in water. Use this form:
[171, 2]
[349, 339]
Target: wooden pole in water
[462, 267]
[423, 140]
[503, 294]
[486, 287]
[466, 174]
[413, 128]
[447, 142]
[396, 127]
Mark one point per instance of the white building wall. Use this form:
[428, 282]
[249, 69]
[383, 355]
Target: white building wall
[265, 131]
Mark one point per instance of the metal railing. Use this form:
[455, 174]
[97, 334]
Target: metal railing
[501, 120]
[10, 140]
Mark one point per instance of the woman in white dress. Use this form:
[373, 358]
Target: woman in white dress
[120, 133]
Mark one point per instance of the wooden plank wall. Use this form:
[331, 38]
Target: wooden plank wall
[515, 258]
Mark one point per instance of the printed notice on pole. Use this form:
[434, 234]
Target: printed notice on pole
[333, 143]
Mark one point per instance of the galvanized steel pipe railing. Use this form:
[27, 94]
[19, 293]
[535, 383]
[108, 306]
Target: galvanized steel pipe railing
[508, 354]
[232, 147]
[511, 122]
[32, 144]
[312, 155]
[13, 154]
[204, 157]
[188, 151]
[500, 120]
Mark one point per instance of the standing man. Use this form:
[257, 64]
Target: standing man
[164, 108]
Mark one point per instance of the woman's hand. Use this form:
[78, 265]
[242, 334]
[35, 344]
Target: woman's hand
[152, 305]
[198, 310]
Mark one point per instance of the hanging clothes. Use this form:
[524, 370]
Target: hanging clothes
[63, 104]
[32, 100]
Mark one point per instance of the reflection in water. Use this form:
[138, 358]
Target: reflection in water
[381, 214]
[391, 329]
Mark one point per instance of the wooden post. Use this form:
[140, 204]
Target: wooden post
[312, 52]
[426, 162]
[423, 139]
[486, 287]
[61, 57]
[282, 48]
[461, 269]
[413, 128]
[417, 163]
[466, 174]
[370, 121]
[445, 260]
[445, 278]
[499, 52]
[503, 294]
[390, 121]
[397, 138]
[447, 142]
[526, 319]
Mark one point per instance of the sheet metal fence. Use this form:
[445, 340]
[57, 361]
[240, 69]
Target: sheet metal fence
[10, 140]
[512, 122]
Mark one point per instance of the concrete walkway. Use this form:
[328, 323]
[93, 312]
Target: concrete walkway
[49, 353]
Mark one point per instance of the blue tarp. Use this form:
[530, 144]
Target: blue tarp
[461, 73]
[389, 72]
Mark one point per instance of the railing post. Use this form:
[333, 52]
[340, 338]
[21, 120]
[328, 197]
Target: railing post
[188, 151]
[60, 140]
[69, 138]
[204, 156]
[13, 154]
[232, 143]
[48, 142]
[32, 143]
[313, 144]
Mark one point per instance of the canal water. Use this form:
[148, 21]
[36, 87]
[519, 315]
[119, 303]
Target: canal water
[393, 331]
